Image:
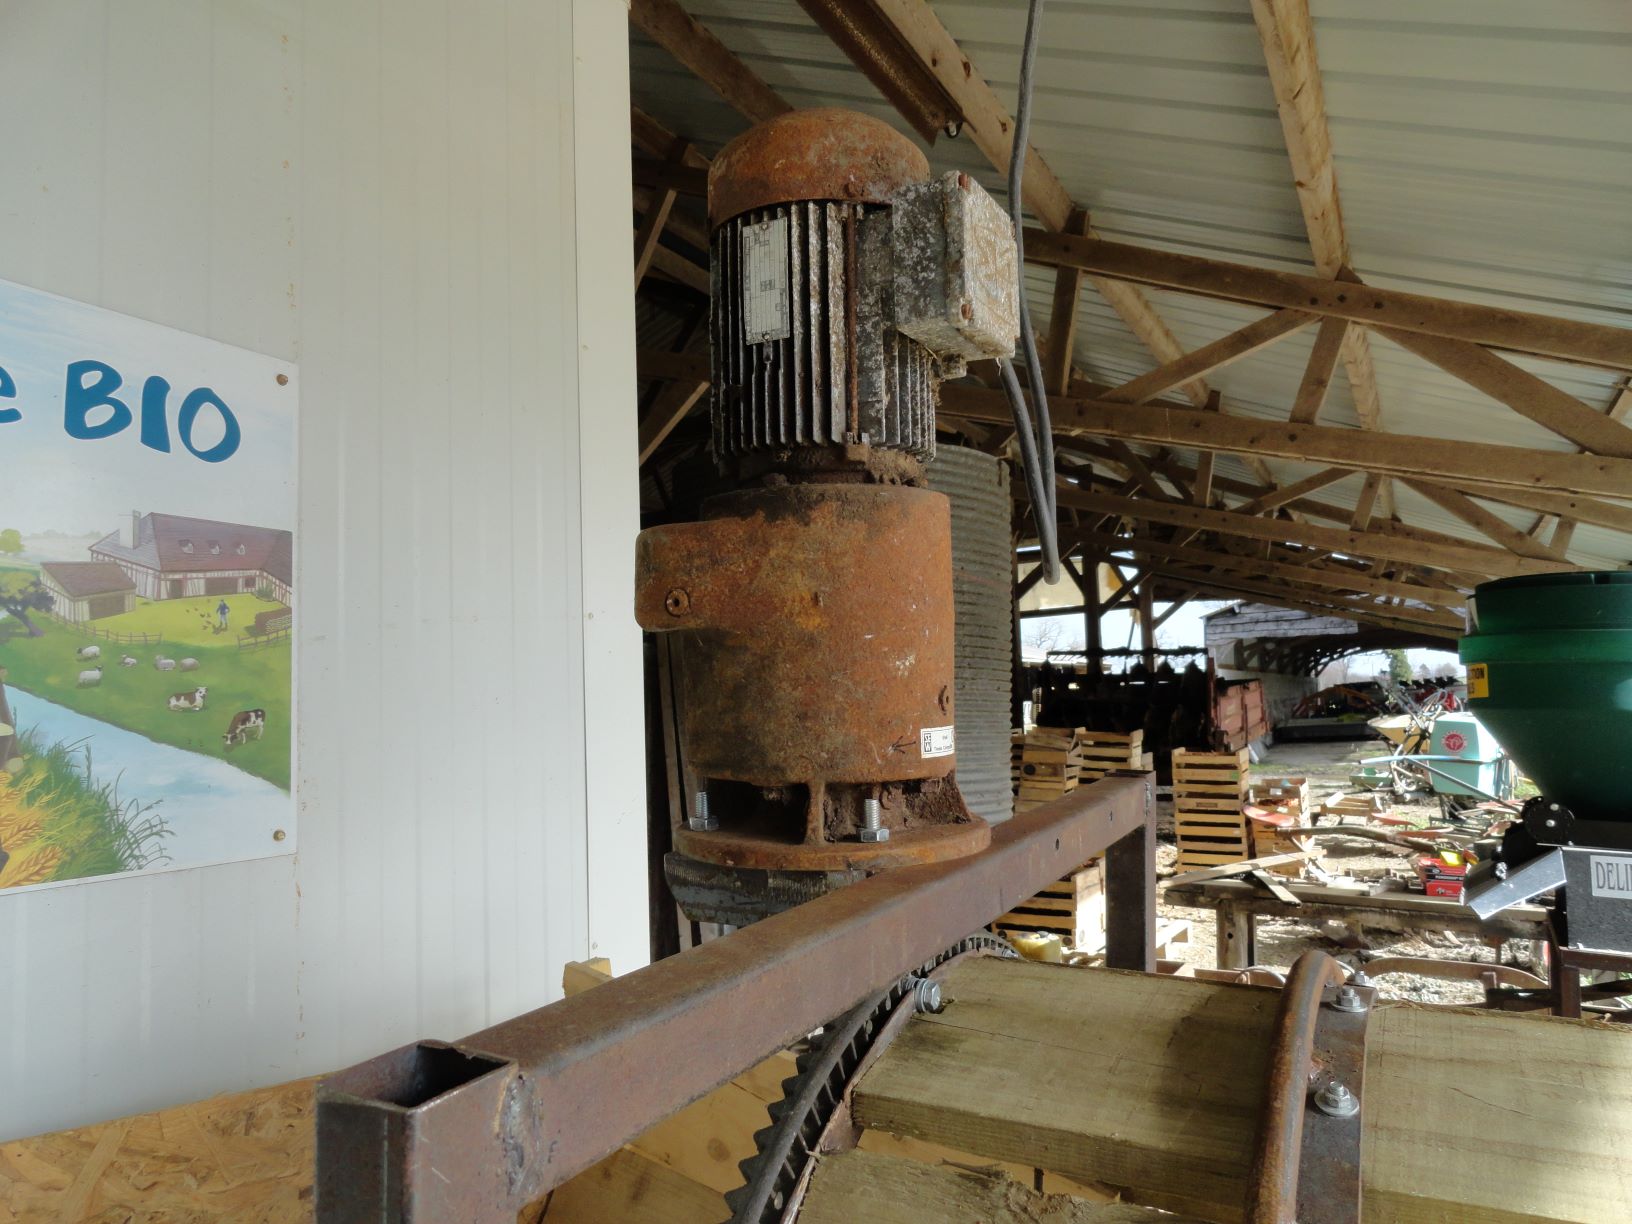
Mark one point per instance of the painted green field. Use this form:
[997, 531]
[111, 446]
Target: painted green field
[136, 697]
[190, 621]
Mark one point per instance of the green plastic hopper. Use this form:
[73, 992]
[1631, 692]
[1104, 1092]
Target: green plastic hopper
[1549, 663]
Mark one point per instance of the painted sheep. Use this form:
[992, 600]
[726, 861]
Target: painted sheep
[91, 678]
[188, 665]
[127, 660]
[189, 701]
[164, 664]
[85, 653]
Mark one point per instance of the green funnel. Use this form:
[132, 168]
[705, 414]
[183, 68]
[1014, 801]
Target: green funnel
[1550, 673]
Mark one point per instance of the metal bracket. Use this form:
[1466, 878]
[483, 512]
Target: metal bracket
[1306, 1164]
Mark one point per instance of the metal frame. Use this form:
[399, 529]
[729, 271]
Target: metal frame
[1306, 1162]
[474, 1131]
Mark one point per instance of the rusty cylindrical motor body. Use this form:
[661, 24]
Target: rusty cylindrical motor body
[812, 608]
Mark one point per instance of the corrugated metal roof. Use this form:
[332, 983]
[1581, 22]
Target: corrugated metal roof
[1483, 153]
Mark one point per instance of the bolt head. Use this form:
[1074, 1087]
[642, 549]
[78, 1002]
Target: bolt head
[1349, 1000]
[677, 602]
[703, 824]
[927, 996]
[1336, 1101]
[874, 835]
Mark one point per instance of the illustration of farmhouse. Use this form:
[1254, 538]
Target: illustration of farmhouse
[171, 557]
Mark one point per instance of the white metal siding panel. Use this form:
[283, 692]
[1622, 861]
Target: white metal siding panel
[419, 204]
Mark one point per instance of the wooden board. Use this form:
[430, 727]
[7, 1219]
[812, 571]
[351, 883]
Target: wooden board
[247, 1156]
[1154, 1083]
[865, 1186]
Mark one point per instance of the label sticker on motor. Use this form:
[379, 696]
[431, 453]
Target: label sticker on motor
[935, 741]
[766, 310]
[1478, 680]
[1611, 876]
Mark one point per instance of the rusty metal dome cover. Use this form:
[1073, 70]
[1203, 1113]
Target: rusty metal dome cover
[826, 153]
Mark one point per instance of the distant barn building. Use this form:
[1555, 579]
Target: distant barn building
[87, 590]
[168, 556]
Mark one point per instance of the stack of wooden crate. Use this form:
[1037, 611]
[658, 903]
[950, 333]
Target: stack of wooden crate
[1072, 908]
[1100, 752]
[1048, 766]
[1209, 793]
[1276, 804]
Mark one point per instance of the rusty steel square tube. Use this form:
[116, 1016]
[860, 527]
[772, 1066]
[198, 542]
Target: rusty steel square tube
[476, 1130]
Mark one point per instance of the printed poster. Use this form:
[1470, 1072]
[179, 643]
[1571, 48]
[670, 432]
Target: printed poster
[147, 596]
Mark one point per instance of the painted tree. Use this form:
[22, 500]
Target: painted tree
[11, 541]
[20, 594]
[1399, 666]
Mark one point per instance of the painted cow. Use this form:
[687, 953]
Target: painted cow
[189, 701]
[244, 722]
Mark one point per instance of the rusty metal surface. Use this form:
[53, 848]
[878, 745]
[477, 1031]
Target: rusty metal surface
[475, 1131]
[871, 42]
[814, 650]
[826, 153]
[1313, 1043]
[929, 843]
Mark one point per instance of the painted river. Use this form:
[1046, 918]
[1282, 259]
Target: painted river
[216, 813]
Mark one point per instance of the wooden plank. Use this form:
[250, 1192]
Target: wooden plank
[710, 60]
[1275, 498]
[1471, 557]
[1392, 454]
[1156, 1083]
[1218, 873]
[1020, 1027]
[865, 1186]
[1062, 319]
[1521, 391]
[1244, 342]
[1517, 331]
[657, 216]
[632, 1189]
[1491, 526]
[1317, 375]
[1366, 501]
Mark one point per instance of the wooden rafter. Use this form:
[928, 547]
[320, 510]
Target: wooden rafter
[1592, 344]
[1477, 559]
[1362, 450]
[1487, 523]
[1317, 375]
[1253, 338]
[1280, 496]
[680, 34]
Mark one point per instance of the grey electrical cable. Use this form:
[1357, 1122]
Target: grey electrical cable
[1036, 449]
[1047, 537]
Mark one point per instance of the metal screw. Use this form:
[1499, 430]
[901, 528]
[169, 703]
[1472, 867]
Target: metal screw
[702, 820]
[1336, 1101]
[1348, 1000]
[926, 996]
[872, 822]
[677, 602]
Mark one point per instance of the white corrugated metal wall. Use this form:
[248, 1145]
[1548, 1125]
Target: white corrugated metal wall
[425, 205]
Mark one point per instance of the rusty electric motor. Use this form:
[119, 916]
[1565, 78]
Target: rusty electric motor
[812, 606]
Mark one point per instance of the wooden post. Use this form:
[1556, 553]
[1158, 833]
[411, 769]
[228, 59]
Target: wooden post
[1147, 619]
[1130, 895]
[1236, 936]
[1093, 642]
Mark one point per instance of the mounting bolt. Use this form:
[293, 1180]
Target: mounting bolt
[1336, 1101]
[1349, 1000]
[677, 602]
[872, 822]
[702, 820]
[926, 996]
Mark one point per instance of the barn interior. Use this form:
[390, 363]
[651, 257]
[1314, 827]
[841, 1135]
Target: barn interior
[1015, 414]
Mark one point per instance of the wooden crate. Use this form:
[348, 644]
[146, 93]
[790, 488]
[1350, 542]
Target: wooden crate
[1073, 908]
[1047, 766]
[1209, 789]
[1100, 752]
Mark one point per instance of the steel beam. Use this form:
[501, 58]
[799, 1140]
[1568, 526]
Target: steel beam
[476, 1130]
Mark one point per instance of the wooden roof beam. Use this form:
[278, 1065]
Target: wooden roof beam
[713, 63]
[1476, 559]
[1591, 344]
[1362, 450]
[1487, 523]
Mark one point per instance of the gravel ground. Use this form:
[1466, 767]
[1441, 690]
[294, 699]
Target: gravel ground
[1280, 941]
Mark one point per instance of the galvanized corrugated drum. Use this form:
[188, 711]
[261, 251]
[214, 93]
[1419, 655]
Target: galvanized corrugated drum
[982, 578]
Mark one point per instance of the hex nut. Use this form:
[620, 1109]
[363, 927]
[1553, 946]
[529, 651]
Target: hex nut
[880, 834]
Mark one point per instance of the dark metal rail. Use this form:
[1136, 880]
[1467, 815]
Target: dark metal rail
[476, 1130]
